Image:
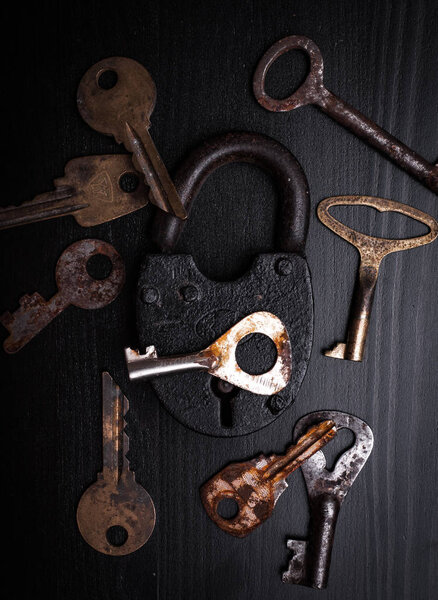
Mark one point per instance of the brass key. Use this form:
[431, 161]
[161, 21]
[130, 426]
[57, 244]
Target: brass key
[115, 503]
[94, 190]
[256, 485]
[372, 250]
[122, 108]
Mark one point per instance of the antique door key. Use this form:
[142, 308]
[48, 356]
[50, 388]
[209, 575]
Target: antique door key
[122, 109]
[326, 490]
[257, 484]
[219, 359]
[372, 250]
[313, 91]
[115, 504]
[75, 286]
[94, 190]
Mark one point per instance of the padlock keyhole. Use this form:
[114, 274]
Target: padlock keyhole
[225, 392]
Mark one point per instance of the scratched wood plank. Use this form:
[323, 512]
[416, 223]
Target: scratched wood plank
[382, 58]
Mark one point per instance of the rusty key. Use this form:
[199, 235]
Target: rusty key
[94, 190]
[115, 514]
[372, 250]
[75, 286]
[313, 91]
[219, 359]
[326, 490]
[257, 484]
[122, 108]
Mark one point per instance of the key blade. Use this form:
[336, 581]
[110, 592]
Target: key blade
[115, 440]
[43, 207]
[313, 440]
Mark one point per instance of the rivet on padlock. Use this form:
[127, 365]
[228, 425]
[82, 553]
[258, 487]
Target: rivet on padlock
[194, 310]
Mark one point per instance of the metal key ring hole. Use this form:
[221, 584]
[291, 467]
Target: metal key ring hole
[306, 92]
[117, 536]
[128, 182]
[343, 441]
[227, 508]
[99, 266]
[256, 353]
[106, 78]
[376, 246]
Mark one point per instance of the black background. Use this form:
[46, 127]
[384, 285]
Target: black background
[381, 57]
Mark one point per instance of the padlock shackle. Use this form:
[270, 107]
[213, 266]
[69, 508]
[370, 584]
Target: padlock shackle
[261, 150]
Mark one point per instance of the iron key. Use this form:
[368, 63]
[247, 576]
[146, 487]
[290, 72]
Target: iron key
[372, 251]
[219, 359]
[115, 500]
[313, 91]
[94, 190]
[75, 286]
[257, 484]
[326, 490]
[123, 110]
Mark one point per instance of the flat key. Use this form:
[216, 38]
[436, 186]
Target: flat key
[313, 91]
[123, 111]
[115, 506]
[75, 287]
[256, 485]
[219, 359]
[326, 490]
[372, 250]
[94, 190]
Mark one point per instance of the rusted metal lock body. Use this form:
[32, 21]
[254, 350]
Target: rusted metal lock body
[179, 310]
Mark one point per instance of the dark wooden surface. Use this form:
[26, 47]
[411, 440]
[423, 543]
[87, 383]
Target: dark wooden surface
[382, 57]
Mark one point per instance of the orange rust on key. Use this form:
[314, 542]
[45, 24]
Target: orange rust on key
[256, 485]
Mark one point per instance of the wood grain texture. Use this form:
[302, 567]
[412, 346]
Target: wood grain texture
[382, 57]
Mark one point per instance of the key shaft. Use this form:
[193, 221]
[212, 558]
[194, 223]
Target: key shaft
[115, 440]
[313, 91]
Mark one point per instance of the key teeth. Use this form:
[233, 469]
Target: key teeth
[295, 571]
[338, 351]
[132, 356]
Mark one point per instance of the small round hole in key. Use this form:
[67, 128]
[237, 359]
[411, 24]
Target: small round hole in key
[128, 182]
[256, 353]
[117, 535]
[99, 266]
[227, 508]
[107, 79]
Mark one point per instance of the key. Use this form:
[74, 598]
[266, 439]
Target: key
[94, 190]
[326, 490]
[372, 250]
[313, 91]
[75, 286]
[115, 514]
[122, 109]
[256, 485]
[219, 359]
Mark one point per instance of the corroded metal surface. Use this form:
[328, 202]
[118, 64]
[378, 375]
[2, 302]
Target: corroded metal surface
[90, 190]
[123, 111]
[372, 250]
[219, 359]
[75, 287]
[115, 499]
[326, 490]
[256, 485]
[313, 91]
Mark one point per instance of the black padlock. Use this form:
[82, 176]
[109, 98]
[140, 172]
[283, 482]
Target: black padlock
[180, 311]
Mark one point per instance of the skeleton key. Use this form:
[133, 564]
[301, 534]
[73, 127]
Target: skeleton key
[75, 286]
[219, 359]
[123, 110]
[326, 490]
[115, 504]
[372, 250]
[313, 91]
[94, 190]
[256, 485]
